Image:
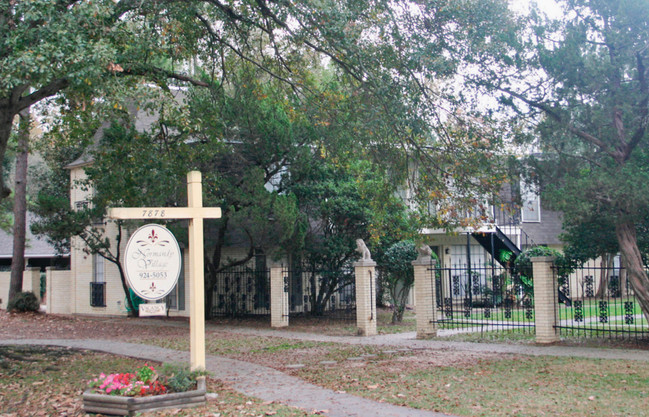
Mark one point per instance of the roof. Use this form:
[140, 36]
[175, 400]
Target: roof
[35, 246]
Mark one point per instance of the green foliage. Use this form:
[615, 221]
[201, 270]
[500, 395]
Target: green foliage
[398, 258]
[178, 377]
[587, 88]
[23, 302]
[523, 266]
[398, 274]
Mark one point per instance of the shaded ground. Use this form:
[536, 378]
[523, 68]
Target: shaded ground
[468, 379]
[49, 381]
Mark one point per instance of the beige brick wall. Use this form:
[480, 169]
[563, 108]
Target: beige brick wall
[59, 291]
[31, 282]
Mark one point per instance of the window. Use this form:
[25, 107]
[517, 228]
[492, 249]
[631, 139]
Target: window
[82, 205]
[531, 210]
[98, 284]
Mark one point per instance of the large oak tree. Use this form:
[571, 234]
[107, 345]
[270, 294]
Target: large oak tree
[584, 77]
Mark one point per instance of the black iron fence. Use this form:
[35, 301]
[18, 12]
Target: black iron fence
[241, 291]
[482, 298]
[319, 293]
[599, 302]
[245, 291]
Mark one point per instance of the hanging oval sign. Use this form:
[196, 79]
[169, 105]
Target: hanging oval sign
[152, 262]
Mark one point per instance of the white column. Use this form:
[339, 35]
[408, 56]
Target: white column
[278, 298]
[425, 304]
[365, 297]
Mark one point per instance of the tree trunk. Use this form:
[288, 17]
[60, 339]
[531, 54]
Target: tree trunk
[623, 278]
[606, 267]
[212, 266]
[122, 275]
[20, 208]
[636, 274]
[6, 125]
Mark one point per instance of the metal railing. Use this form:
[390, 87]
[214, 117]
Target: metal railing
[482, 298]
[599, 302]
[241, 291]
[320, 293]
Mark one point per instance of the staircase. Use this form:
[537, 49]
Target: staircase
[496, 242]
[497, 237]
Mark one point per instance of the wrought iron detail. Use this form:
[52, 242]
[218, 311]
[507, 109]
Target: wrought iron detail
[286, 283]
[529, 309]
[467, 307]
[603, 312]
[476, 284]
[614, 286]
[590, 287]
[578, 312]
[487, 313]
[448, 307]
[456, 285]
[628, 312]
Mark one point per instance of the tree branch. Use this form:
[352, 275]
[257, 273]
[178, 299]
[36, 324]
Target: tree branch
[617, 155]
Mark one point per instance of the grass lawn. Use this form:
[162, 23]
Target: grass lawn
[331, 327]
[462, 383]
[505, 386]
[44, 381]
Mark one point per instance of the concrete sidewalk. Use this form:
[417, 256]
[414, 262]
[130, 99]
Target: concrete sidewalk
[254, 380]
[409, 340]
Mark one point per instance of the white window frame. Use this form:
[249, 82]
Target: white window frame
[531, 203]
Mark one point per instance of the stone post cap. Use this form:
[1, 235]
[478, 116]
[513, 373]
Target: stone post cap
[424, 260]
[362, 263]
[542, 259]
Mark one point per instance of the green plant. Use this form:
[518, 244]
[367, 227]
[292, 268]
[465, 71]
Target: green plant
[523, 266]
[179, 378]
[399, 275]
[23, 301]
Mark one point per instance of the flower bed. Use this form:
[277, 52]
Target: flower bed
[129, 393]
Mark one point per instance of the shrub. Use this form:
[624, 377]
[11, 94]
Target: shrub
[399, 275]
[23, 301]
[178, 378]
[523, 265]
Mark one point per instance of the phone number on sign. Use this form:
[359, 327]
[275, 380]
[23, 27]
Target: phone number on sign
[152, 275]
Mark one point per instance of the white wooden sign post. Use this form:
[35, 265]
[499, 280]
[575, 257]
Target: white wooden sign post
[195, 212]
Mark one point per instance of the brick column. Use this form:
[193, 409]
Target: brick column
[278, 297]
[425, 304]
[545, 299]
[365, 297]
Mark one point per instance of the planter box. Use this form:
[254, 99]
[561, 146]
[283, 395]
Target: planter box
[128, 406]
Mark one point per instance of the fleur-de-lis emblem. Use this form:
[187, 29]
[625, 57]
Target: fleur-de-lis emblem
[153, 237]
[152, 287]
